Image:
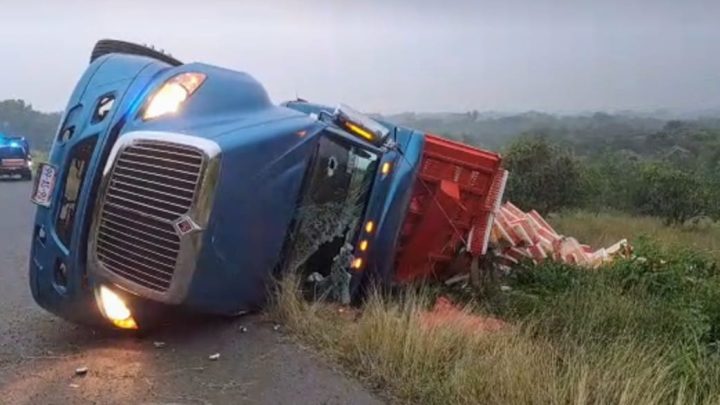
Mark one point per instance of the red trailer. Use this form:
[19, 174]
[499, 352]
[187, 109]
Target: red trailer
[457, 191]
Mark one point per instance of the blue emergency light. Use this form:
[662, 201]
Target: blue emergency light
[14, 142]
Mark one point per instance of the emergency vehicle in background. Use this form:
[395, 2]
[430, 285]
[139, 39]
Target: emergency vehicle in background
[15, 158]
[182, 186]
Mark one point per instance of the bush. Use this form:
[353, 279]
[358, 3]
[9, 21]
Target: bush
[672, 299]
[672, 194]
[543, 176]
[547, 177]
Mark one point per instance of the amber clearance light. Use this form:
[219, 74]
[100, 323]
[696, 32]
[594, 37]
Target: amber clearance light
[172, 94]
[360, 131]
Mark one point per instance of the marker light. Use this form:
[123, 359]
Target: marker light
[360, 124]
[360, 131]
[385, 169]
[115, 309]
[363, 246]
[369, 226]
[173, 93]
[357, 263]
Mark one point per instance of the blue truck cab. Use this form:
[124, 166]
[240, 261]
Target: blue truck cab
[15, 158]
[182, 186]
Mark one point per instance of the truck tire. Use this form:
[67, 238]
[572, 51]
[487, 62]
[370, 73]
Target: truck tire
[108, 46]
[27, 176]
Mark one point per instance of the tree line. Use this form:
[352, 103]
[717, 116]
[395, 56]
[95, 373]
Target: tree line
[641, 164]
[18, 118]
[671, 173]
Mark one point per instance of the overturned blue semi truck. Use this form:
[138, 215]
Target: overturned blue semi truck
[182, 186]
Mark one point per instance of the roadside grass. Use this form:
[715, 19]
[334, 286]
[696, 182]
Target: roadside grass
[526, 363]
[604, 229]
[38, 157]
[640, 331]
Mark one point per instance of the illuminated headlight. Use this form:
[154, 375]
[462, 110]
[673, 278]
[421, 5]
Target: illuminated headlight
[30, 163]
[113, 308]
[172, 94]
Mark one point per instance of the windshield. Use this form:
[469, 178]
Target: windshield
[7, 152]
[331, 210]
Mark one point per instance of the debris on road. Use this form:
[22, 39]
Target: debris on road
[159, 345]
[80, 371]
[276, 327]
[519, 235]
[243, 329]
[445, 314]
[74, 386]
[214, 357]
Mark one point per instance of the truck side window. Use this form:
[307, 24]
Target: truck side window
[332, 205]
[74, 179]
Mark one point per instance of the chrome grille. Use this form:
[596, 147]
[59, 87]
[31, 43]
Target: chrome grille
[152, 185]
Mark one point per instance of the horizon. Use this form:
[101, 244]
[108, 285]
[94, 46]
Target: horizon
[659, 113]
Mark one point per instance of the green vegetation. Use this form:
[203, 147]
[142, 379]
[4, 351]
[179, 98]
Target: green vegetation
[664, 304]
[18, 118]
[548, 178]
[38, 156]
[587, 134]
[641, 331]
[552, 178]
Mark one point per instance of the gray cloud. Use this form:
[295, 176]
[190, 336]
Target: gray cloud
[394, 55]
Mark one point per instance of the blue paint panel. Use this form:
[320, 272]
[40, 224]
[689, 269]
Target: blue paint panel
[126, 77]
[390, 203]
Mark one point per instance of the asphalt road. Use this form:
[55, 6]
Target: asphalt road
[40, 353]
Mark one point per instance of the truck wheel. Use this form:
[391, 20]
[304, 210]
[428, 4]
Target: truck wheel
[108, 46]
[27, 176]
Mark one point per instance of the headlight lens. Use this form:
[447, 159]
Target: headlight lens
[115, 309]
[172, 94]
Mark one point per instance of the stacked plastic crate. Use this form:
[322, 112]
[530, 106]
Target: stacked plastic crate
[519, 235]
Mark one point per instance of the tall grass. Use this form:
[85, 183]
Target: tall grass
[639, 331]
[532, 361]
[38, 157]
[604, 229]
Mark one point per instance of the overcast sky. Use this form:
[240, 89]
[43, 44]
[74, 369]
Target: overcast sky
[393, 55]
